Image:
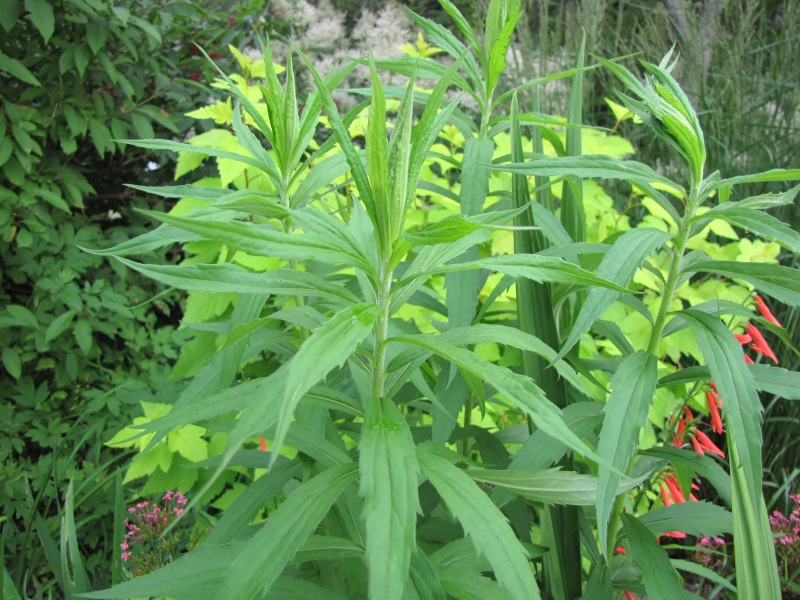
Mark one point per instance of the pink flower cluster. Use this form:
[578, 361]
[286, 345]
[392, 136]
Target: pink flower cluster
[150, 520]
[710, 559]
[787, 530]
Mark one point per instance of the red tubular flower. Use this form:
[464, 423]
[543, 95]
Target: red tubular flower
[674, 534]
[716, 420]
[693, 497]
[620, 550]
[688, 413]
[697, 447]
[678, 442]
[262, 444]
[695, 487]
[759, 344]
[765, 311]
[707, 444]
[743, 338]
[665, 496]
[675, 489]
[748, 360]
[629, 595]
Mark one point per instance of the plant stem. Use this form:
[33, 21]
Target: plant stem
[465, 445]
[674, 272]
[381, 330]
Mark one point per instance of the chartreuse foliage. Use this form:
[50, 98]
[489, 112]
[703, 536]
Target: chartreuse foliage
[357, 401]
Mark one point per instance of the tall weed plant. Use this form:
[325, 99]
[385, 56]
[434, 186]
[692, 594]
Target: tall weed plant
[370, 481]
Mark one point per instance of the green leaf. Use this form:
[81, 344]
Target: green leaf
[12, 362]
[633, 387]
[775, 380]
[41, 14]
[388, 468]
[599, 584]
[754, 551]
[265, 555]
[324, 547]
[83, 335]
[703, 572]
[782, 283]
[704, 466]
[467, 585]
[537, 268]
[231, 278]
[772, 175]
[619, 265]
[517, 389]
[449, 229]
[329, 346]
[18, 70]
[261, 241]
[694, 518]
[59, 325]
[735, 385]
[549, 486]
[9, 13]
[756, 222]
[96, 34]
[497, 54]
[660, 579]
[424, 578]
[484, 523]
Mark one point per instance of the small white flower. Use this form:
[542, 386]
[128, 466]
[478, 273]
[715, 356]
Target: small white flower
[113, 215]
[151, 166]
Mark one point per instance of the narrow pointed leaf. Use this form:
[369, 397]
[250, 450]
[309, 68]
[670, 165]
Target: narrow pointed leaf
[660, 579]
[619, 265]
[484, 523]
[782, 283]
[633, 387]
[388, 468]
[757, 222]
[693, 518]
[704, 466]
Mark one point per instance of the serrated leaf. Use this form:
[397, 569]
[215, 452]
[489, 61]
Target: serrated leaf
[549, 486]
[633, 387]
[265, 555]
[660, 579]
[388, 468]
[693, 518]
[742, 408]
[782, 283]
[231, 278]
[329, 346]
[619, 265]
[484, 523]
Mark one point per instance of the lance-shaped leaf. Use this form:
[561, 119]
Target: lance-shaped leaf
[742, 408]
[549, 486]
[329, 346]
[755, 221]
[231, 278]
[536, 267]
[517, 389]
[632, 389]
[619, 265]
[484, 523]
[693, 518]
[260, 241]
[388, 467]
[754, 551]
[266, 554]
[468, 585]
[782, 283]
[660, 579]
[778, 381]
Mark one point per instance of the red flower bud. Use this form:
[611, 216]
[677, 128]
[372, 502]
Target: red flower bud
[697, 447]
[707, 444]
[759, 344]
[765, 311]
[716, 420]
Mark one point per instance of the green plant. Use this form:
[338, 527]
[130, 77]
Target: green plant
[356, 391]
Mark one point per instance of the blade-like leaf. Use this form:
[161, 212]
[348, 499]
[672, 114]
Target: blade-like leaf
[756, 222]
[231, 278]
[782, 283]
[388, 468]
[742, 408]
[549, 486]
[660, 579]
[329, 346]
[619, 265]
[265, 555]
[466, 585]
[632, 389]
[694, 518]
[484, 523]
